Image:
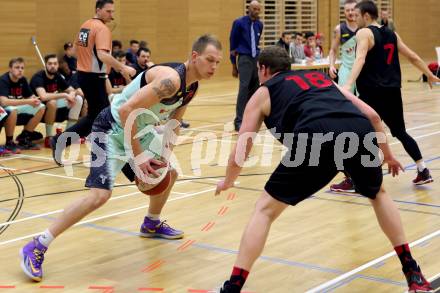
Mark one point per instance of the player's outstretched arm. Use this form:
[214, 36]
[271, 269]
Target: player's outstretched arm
[416, 60]
[256, 109]
[394, 166]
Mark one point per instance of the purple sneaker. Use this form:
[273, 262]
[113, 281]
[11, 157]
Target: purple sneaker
[32, 257]
[156, 228]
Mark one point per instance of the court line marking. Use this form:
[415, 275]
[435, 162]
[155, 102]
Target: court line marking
[59, 211]
[353, 272]
[265, 258]
[82, 179]
[112, 198]
[108, 216]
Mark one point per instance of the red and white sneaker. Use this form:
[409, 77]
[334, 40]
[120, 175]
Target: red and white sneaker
[345, 185]
[417, 282]
[423, 177]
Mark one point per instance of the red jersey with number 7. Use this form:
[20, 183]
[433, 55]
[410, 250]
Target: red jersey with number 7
[298, 98]
[382, 66]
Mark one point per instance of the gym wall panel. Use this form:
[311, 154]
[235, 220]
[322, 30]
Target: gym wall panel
[215, 18]
[418, 24]
[172, 30]
[18, 25]
[57, 23]
[138, 20]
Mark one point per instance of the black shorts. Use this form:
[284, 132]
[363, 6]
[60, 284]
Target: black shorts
[291, 185]
[23, 118]
[387, 102]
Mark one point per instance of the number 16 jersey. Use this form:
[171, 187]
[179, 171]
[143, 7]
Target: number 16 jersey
[382, 67]
[300, 98]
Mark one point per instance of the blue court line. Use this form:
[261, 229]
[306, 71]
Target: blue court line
[395, 200]
[226, 251]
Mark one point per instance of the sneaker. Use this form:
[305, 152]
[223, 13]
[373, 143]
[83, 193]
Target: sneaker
[423, 177]
[156, 228]
[47, 142]
[56, 155]
[4, 152]
[184, 124]
[32, 257]
[346, 185]
[22, 136]
[417, 282]
[12, 147]
[35, 135]
[229, 288]
[27, 144]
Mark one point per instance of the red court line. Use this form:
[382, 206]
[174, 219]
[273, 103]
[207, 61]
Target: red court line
[208, 226]
[185, 245]
[231, 196]
[150, 289]
[153, 266]
[222, 211]
[51, 287]
[6, 287]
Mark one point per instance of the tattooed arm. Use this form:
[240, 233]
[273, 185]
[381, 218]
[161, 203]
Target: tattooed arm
[163, 82]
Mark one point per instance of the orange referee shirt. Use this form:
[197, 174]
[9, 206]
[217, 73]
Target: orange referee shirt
[93, 35]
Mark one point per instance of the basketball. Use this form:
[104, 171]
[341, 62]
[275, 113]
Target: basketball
[157, 188]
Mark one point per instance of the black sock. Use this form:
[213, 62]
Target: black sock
[9, 139]
[406, 258]
[238, 277]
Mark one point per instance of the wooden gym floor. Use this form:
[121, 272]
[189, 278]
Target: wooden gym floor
[327, 236]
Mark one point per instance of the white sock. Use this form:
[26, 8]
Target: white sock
[71, 123]
[421, 166]
[154, 217]
[46, 238]
[49, 129]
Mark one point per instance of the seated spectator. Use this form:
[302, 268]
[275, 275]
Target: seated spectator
[142, 61]
[16, 95]
[64, 70]
[116, 47]
[60, 99]
[69, 56]
[385, 20]
[116, 81]
[311, 50]
[285, 40]
[319, 43]
[132, 51]
[296, 50]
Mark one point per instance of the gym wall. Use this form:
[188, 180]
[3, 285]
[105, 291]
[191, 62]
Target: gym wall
[170, 26]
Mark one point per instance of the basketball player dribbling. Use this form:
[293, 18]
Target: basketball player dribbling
[165, 91]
